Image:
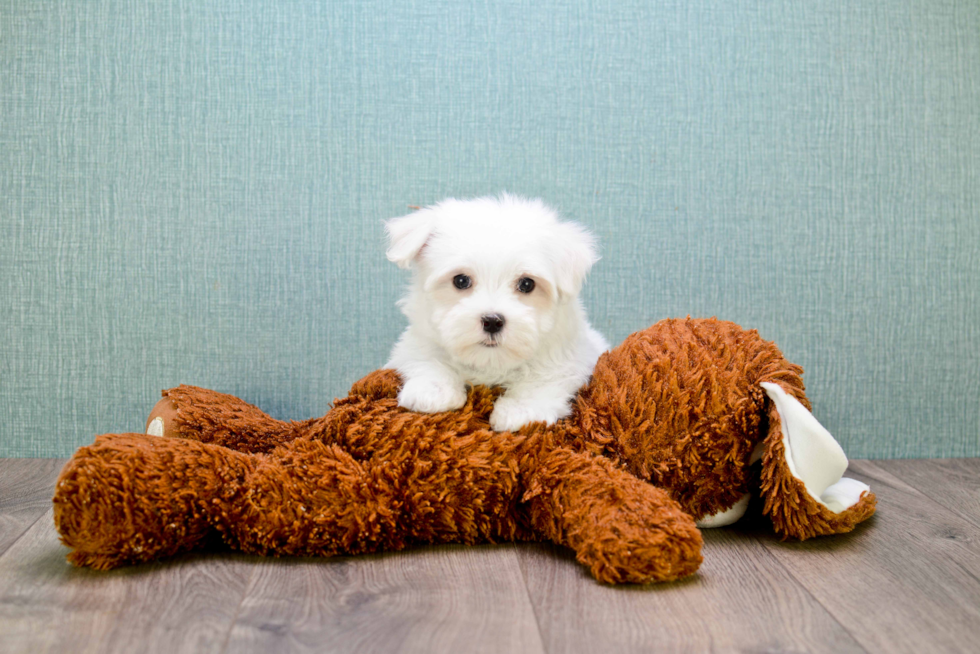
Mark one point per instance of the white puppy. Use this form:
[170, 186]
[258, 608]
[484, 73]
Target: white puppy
[493, 301]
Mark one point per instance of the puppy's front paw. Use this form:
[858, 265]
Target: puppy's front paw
[510, 414]
[427, 395]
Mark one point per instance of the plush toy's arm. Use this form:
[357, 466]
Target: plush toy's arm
[207, 416]
[623, 529]
[204, 415]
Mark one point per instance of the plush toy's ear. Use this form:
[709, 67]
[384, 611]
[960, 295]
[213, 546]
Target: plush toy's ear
[802, 480]
[407, 236]
[575, 255]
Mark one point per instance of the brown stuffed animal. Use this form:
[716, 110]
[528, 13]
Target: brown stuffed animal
[663, 435]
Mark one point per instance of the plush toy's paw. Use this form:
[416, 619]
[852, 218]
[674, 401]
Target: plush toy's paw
[643, 546]
[128, 498]
[512, 413]
[429, 395]
[160, 420]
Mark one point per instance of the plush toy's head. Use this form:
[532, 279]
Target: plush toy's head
[692, 405]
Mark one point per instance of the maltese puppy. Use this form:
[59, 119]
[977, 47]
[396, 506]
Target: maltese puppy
[493, 301]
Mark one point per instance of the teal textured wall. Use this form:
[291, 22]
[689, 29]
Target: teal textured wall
[193, 191]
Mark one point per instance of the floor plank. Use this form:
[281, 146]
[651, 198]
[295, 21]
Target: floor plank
[954, 483]
[908, 580]
[47, 605]
[740, 600]
[435, 599]
[26, 488]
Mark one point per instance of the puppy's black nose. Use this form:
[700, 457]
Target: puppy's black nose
[493, 323]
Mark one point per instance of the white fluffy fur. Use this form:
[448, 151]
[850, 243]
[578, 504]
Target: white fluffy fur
[546, 350]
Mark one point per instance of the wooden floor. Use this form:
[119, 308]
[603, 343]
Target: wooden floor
[906, 581]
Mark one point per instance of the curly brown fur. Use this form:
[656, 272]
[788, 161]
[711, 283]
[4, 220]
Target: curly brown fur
[370, 477]
[680, 405]
[211, 417]
[661, 435]
[125, 499]
[794, 513]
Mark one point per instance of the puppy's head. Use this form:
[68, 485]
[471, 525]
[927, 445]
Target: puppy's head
[491, 275]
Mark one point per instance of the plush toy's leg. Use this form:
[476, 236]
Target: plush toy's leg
[623, 529]
[313, 498]
[802, 479]
[210, 417]
[129, 498]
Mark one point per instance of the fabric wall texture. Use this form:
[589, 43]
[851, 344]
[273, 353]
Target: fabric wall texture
[193, 191]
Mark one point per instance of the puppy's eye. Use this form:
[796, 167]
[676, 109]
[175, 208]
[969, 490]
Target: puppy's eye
[525, 285]
[461, 282]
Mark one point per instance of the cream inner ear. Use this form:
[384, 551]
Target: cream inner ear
[812, 455]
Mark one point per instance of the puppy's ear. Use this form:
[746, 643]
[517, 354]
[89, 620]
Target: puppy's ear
[575, 253]
[407, 235]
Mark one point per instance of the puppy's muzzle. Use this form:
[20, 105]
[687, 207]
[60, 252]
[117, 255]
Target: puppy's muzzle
[492, 323]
